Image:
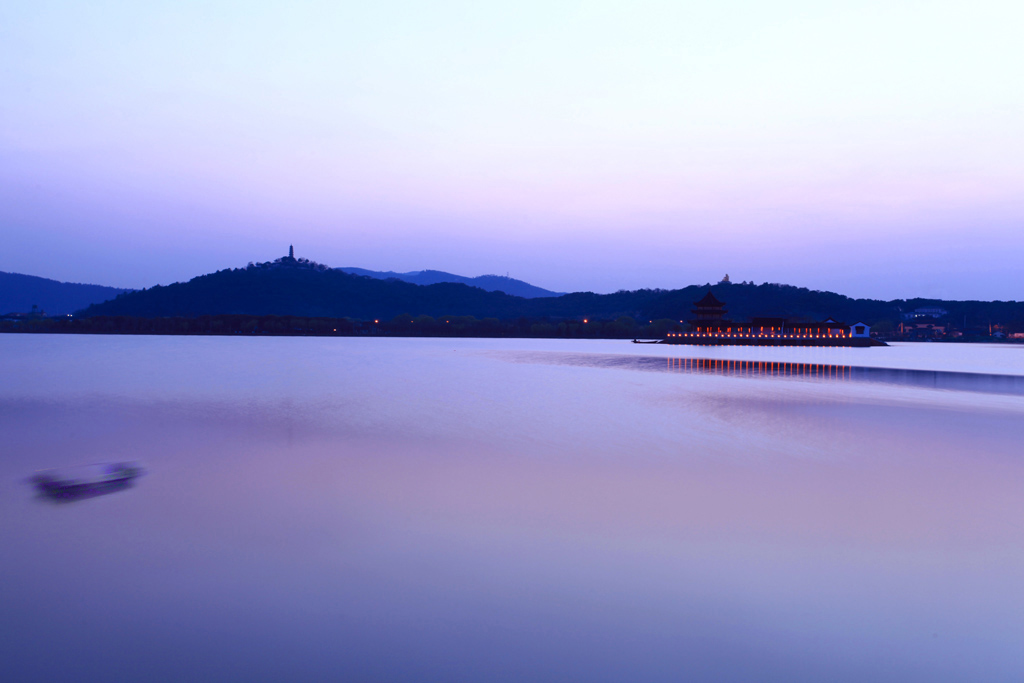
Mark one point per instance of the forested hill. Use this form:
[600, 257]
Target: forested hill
[19, 293]
[308, 290]
[304, 289]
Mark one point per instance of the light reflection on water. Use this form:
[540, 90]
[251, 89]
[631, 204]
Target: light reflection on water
[989, 383]
[408, 510]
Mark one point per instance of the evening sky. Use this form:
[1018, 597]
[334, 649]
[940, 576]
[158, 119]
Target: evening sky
[871, 148]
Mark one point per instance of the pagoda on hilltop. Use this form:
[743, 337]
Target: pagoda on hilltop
[290, 262]
[708, 314]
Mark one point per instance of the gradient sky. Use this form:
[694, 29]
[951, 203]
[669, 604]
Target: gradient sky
[871, 148]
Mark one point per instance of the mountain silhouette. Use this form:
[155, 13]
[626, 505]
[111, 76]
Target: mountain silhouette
[490, 283]
[19, 293]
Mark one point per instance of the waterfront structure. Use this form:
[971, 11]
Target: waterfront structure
[923, 330]
[708, 313]
[709, 325]
[859, 329]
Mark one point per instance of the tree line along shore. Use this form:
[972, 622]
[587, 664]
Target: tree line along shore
[400, 326]
[622, 327]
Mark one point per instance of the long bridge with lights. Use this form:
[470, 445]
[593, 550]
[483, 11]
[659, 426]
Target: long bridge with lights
[710, 327]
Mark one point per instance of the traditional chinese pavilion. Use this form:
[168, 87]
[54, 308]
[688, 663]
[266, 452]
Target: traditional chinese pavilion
[708, 314]
[709, 325]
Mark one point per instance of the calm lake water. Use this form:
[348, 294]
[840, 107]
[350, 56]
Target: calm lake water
[508, 510]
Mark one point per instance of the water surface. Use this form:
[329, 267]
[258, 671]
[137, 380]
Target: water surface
[481, 510]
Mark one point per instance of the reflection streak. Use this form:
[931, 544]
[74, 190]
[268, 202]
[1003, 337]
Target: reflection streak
[819, 372]
[932, 379]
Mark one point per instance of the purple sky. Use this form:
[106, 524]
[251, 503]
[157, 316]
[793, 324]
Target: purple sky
[876, 149]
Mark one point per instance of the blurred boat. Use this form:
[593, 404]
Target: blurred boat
[86, 481]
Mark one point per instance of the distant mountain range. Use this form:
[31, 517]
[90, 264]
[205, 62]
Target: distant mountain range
[19, 293]
[489, 283]
[301, 288]
[296, 287]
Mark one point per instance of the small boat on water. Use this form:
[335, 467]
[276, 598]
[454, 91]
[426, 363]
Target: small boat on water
[86, 481]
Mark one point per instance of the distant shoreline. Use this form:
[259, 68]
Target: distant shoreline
[237, 325]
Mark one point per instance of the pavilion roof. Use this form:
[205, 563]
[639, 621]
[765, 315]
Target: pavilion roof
[709, 301]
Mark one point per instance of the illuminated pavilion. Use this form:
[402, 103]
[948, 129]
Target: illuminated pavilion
[708, 314]
[709, 325]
